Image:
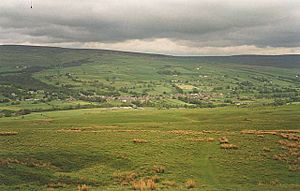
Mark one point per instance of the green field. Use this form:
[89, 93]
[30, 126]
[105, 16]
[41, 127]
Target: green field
[39, 76]
[109, 149]
[73, 119]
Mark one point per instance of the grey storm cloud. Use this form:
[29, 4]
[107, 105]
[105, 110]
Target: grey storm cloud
[194, 23]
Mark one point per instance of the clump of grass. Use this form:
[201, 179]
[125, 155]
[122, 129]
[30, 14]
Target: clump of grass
[56, 185]
[9, 133]
[159, 168]
[209, 139]
[289, 144]
[137, 141]
[139, 185]
[125, 178]
[211, 132]
[293, 137]
[223, 140]
[169, 184]
[151, 184]
[26, 162]
[228, 146]
[189, 184]
[280, 157]
[294, 168]
[266, 149]
[82, 187]
[186, 132]
[260, 132]
[155, 178]
[70, 130]
[144, 185]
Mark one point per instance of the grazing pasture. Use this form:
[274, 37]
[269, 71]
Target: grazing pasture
[230, 148]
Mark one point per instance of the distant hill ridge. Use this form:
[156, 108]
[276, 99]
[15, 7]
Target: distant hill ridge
[284, 60]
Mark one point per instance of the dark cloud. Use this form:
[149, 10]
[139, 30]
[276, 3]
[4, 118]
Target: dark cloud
[193, 23]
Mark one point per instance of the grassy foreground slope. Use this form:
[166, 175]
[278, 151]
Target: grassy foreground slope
[108, 149]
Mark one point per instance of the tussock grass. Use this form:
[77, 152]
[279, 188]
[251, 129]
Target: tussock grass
[223, 140]
[70, 130]
[95, 130]
[169, 184]
[189, 184]
[289, 144]
[259, 132]
[159, 168]
[137, 141]
[293, 137]
[155, 178]
[282, 133]
[125, 178]
[142, 184]
[186, 132]
[209, 139]
[83, 187]
[280, 157]
[8, 133]
[56, 185]
[26, 162]
[151, 184]
[139, 185]
[294, 168]
[228, 146]
[266, 149]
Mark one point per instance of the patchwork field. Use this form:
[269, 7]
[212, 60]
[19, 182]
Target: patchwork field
[37, 79]
[230, 148]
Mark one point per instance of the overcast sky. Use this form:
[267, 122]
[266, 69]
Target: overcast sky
[181, 27]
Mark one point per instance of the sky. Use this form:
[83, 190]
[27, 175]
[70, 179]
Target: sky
[176, 27]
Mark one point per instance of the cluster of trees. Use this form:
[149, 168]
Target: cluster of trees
[9, 113]
[169, 72]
